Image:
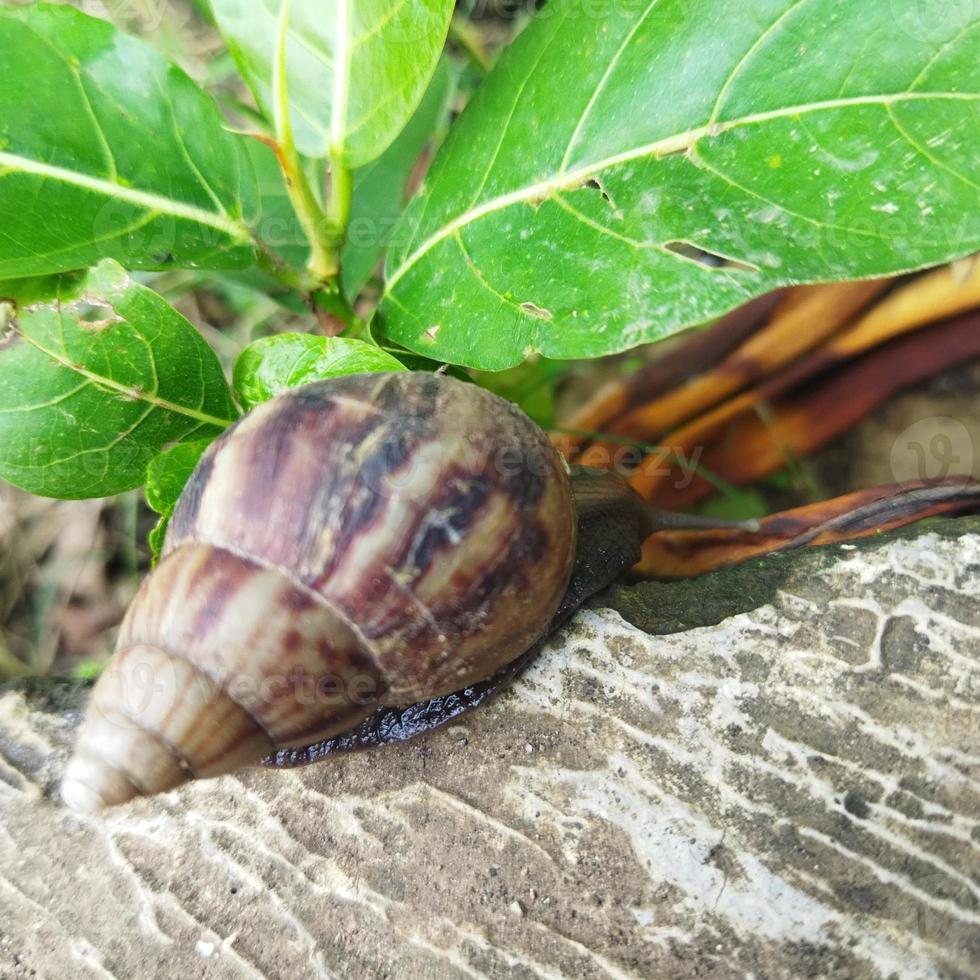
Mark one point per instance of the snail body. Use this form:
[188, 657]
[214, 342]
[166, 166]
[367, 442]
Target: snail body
[366, 542]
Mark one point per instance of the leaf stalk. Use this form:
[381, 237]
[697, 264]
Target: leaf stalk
[320, 229]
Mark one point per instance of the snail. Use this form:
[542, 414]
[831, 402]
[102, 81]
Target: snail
[352, 563]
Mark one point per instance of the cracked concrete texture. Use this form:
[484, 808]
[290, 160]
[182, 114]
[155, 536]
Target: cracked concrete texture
[791, 790]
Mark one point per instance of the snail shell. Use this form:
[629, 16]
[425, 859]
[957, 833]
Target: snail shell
[369, 540]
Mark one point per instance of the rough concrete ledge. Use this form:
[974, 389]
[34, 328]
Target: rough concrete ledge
[793, 791]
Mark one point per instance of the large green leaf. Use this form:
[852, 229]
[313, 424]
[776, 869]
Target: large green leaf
[801, 139]
[356, 69]
[96, 380]
[107, 150]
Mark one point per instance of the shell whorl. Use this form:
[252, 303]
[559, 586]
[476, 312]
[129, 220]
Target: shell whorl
[374, 539]
[219, 662]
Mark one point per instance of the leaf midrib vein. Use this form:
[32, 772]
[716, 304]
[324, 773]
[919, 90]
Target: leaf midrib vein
[677, 143]
[338, 118]
[144, 199]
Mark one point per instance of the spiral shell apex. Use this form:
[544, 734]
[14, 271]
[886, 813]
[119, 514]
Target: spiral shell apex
[369, 540]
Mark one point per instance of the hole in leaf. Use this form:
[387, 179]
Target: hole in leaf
[539, 311]
[8, 323]
[713, 260]
[594, 184]
[95, 315]
[681, 151]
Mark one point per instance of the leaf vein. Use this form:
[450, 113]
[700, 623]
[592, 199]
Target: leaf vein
[481, 279]
[22, 409]
[952, 42]
[189, 160]
[598, 226]
[341, 79]
[379, 25]
[747, 57]
[513, 109]
[924, 152]
[829, 226]
[149, 200]
[127, 391]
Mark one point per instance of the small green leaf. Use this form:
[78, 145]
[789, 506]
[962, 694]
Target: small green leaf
[107, 150]
[380, 187]
[355, 71]
[96, 380]
[89, 670]
[275, 364]
[169, 472]
[166, 477]
[626, 173]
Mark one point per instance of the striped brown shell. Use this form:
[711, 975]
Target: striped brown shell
[374, 539]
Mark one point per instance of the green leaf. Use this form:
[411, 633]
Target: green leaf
[379, 187]
[356, 71]
[275, 364]
[166, 477]
[802, 140]
[107, 150]
[169, 472]
[96, 380]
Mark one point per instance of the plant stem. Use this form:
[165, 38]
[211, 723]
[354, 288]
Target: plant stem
[325, 242]
[274, 266]
[319, 229]
[322, 297]
[341, 195]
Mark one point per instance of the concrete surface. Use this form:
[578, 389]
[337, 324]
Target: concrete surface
[789, 787]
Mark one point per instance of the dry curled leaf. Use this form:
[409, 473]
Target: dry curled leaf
[685, 554]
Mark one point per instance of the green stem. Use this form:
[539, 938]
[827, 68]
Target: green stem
[324, 261]
[274, 266]
[341, 196]
[324, 239]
